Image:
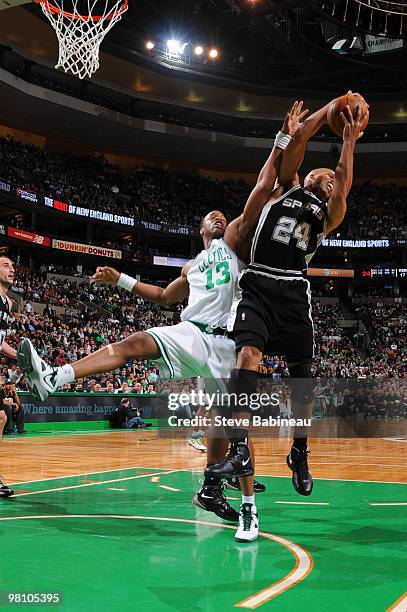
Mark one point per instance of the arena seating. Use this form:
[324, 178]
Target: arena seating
[156, 195]
[61, 319]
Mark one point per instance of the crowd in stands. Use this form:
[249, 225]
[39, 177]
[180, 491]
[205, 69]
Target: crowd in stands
[69, 326]
[377, 291]
[156, 195]
[65, 338]
[376, 212]
[340, 355]
[56, 290]
[380, 398]
[385, 353]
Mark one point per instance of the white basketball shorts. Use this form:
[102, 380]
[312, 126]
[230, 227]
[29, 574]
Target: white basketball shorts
[186, 352]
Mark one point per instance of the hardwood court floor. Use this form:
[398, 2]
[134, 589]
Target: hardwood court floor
[107, 520]
[29, 458]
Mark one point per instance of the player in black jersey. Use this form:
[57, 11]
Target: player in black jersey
[6, 280]
[274, 313]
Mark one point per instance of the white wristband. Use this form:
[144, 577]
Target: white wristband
[126, 282]
[282, 140]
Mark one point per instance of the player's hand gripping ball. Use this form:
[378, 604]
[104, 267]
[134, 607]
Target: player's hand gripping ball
[353, 100]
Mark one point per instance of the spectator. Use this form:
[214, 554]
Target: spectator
[127, 417]
[124, 388]
[13, 408]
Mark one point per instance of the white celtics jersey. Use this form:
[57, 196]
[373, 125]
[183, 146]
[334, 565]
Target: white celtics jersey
[213, 281]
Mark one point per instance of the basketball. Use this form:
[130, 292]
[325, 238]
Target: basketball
[338, 105]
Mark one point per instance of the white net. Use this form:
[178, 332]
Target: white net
[80, 34]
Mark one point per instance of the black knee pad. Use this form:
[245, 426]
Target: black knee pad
[302, 383]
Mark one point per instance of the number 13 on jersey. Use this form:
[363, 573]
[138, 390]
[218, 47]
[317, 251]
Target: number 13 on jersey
[218, 276]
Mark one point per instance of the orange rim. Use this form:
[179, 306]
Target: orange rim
[51, 8]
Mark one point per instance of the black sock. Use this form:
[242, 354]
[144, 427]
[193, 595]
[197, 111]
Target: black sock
[212, 481]
[237, 435]
[300, 443]
[242, 384]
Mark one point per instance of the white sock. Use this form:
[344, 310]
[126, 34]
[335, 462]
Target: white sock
[248, 499]
[65, 375]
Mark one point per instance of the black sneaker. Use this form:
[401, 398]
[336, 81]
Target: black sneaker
[297, 462]
[5, 491]
[236, 463]
[212, 499]
[234, 484]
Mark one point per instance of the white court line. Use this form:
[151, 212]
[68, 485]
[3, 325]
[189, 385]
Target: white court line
[78, 432]
[388, 504]
[334, 479]
[195, 471]
[168, 488]
[349, 464]
[346, 464]
[303, 559]
[132, 467]
[400, 605]
[88, 484]
[303, 503]
[199, 471]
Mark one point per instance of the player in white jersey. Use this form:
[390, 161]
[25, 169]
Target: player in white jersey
[199, 345]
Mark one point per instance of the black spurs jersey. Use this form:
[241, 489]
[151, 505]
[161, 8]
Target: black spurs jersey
[4, 318]
[288, 233]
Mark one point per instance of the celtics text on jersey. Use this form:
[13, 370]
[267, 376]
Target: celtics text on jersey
[213, 281]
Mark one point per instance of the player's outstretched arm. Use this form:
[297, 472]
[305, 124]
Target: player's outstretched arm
[344, 170]
[266, 179]
[292, 157]
[292, 123]
[177, 291]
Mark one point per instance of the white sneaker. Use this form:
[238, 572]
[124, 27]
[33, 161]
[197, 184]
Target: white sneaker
[197, 443]
[41, 378]
[248, 529]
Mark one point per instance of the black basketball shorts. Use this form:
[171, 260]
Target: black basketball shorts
[274, 316]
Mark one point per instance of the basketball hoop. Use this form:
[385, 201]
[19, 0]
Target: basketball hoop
[79, 35]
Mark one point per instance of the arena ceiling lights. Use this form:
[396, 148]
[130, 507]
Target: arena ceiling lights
[180, 51]
[378, 17]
